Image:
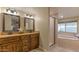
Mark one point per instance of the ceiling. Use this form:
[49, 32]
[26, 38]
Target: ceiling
[54, 11]
[61, 12]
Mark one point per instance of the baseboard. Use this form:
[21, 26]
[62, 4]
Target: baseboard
[45, 50]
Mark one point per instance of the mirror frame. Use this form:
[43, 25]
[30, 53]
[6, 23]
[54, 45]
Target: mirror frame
[3, 14]
[26, 25]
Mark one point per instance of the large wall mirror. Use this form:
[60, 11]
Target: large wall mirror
[11, 22]
[29, 24]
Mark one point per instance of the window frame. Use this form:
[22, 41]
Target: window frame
[60, 27]
[65, 26]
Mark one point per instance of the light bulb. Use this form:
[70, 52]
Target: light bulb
[14, 13]
[9, 11]
[31, 17]
[61, 16]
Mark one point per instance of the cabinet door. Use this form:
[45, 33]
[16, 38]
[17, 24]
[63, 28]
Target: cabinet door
[26, 42]
[19, 46]
[34, 41]
[14, 46]
[11, 47]
[10, 44]
[6, 48]
[0, 48]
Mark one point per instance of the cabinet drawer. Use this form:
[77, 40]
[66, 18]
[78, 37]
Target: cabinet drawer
[34, 42]
[34, 39]
[25, 37]
[35, 35]
[1, 41]
[11, 39]
[8, 39]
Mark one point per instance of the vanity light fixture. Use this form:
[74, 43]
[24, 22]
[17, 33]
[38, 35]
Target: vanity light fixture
[11, 11]
[14, 13]
[8, 10]
[29, 16]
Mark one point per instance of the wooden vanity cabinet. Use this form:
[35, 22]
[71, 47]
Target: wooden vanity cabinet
[19, 42]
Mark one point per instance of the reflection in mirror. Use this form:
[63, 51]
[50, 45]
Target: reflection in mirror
[11, 23]
[29, 24]
[15, 23]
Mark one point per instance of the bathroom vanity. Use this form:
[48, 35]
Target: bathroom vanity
[19, 42]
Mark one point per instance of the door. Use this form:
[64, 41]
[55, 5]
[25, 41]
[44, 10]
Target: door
[51, 31]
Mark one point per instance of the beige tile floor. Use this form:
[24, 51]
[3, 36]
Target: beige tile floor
[54, 49]
[58, 49]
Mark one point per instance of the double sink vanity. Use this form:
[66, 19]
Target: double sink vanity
[20, 42]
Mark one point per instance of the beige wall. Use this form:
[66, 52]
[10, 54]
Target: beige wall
[41, 22]
[42, 25]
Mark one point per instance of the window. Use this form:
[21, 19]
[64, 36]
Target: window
[67, 27]
[71, 27]
[61, 27]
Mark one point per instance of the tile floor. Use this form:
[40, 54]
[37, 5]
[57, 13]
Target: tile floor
[54, 49]
[58, 49]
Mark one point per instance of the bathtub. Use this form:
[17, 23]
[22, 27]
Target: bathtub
[68, 42]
